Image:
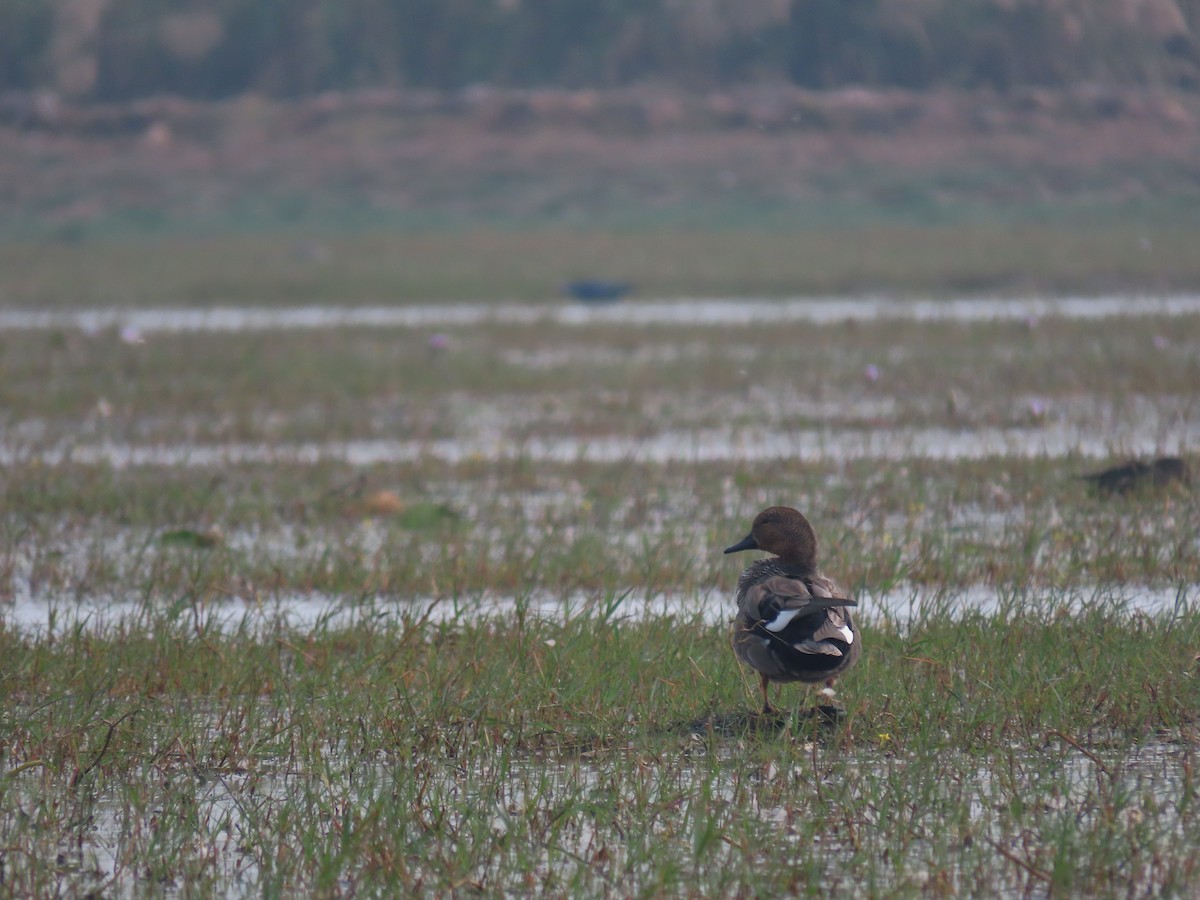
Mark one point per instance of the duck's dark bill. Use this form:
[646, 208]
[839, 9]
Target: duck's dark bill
[747, 543]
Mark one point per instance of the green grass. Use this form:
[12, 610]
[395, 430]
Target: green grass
[549, 380]
[569, 526]
[532, 262]
[1044, 746]
[1022, 751]
[570, 530]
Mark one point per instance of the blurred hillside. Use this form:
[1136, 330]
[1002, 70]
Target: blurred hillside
[208, 49]
[344, 116]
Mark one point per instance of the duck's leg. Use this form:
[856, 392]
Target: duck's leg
[762, 684]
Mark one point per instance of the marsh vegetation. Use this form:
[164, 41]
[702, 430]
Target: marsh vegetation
[517, 675]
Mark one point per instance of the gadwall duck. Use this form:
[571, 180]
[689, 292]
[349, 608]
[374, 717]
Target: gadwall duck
[1134, 475]
[792, 622]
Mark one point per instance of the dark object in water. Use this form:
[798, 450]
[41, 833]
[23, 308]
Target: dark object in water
[597, 290]
[1136, 474]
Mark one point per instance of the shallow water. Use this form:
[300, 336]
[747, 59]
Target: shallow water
[229, 809]
[783, 423]
[1053, 439]
[681, 311]
[305, 612]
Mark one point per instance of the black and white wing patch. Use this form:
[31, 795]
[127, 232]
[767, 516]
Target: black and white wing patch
[790, 610]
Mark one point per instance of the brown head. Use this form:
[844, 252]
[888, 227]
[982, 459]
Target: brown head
[786, 533]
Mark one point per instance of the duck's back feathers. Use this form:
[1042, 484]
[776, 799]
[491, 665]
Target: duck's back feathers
[793, 627]
[780, 601]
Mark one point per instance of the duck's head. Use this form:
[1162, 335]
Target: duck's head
[783, 531]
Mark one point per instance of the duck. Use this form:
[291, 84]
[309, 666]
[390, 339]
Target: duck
[792, 622]
[1131, 476]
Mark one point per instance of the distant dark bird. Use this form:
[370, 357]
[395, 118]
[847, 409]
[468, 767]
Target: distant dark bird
[597, 290]
[1134, 475]
[792, 623]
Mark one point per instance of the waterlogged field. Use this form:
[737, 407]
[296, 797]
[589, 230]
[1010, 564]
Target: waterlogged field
[439, 605]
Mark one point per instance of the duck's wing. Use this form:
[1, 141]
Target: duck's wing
[784, 607]
[794, 628]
